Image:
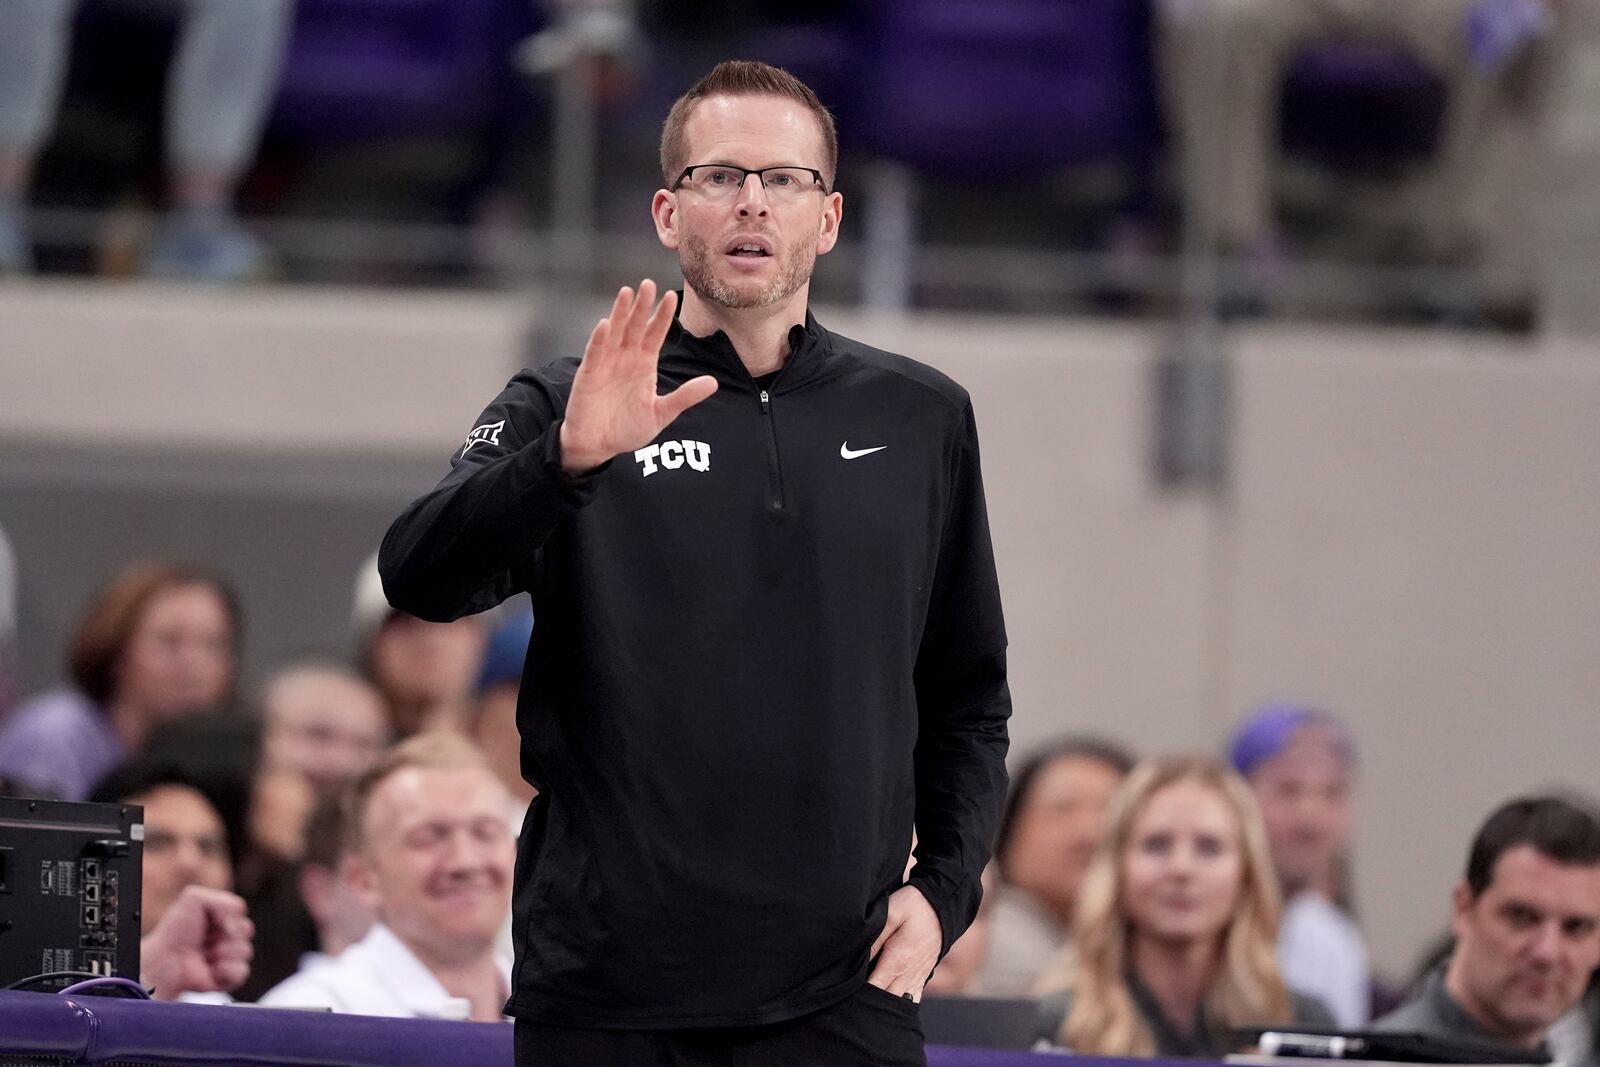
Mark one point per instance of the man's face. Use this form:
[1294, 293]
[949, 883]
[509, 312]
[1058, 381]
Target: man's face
[1526, 945]
[184, 844]
[749, 131]
[1304, 793]
[437, 859]
[324, 726]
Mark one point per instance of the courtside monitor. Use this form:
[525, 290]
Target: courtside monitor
[69, 891]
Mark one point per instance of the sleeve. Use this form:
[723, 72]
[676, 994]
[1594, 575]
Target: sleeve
[462, 547]
[962, 705]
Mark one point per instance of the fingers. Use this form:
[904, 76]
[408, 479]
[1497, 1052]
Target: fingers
[638, 314]
[230, 974]
[220, 905]
[655, 331]
[684, 397]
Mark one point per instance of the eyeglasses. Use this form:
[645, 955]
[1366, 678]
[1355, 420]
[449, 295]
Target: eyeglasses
[722, 181]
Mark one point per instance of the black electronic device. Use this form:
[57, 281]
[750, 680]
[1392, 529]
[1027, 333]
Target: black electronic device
[981, 1022]
[1387, 1046]
[69, 890]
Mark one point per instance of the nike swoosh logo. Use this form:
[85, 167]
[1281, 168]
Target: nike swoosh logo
[846, 452]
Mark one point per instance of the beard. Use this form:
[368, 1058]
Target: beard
[699, 275]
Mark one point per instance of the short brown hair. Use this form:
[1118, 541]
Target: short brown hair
[744, 77]
[104, 633]
[438, 749]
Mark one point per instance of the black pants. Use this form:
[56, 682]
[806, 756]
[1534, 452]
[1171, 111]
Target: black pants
[870, 1028]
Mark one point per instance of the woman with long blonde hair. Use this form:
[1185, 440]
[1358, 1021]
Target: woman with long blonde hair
[1174, 935]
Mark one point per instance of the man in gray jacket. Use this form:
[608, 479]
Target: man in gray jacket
[1526, 920]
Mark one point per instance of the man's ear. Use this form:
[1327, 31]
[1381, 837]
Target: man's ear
[664, 212]
[358, 873]
[828, 225]
[316, 891]
[1461, 901]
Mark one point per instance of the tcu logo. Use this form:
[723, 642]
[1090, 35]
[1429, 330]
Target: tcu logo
[674, 454]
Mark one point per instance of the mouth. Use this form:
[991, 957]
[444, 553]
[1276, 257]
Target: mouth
[750, 248]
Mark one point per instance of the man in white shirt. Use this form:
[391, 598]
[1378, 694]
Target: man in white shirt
[1300, 761]
[432, 854]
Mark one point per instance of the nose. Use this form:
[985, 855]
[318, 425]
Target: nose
[752, 200]
[189, 860]
[1546, 944]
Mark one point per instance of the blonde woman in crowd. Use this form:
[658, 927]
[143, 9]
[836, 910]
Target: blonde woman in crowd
[1176, 924]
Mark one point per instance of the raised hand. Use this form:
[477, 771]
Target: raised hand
[614, 407]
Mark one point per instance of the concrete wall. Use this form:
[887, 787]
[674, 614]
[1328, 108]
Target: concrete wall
[1407, 536]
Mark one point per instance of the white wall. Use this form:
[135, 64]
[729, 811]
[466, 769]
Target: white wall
[1408, 536]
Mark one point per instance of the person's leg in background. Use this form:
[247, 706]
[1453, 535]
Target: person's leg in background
[220, 90]
[1223, 65]
[34, 38]
[1495, 58]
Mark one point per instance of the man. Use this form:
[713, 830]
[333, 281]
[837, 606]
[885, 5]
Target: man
[322, 722]
[431, 855]
[769, 635]
[1526, 920]
[185, 848]
[1300, 762]
[340, 914]
[185, 842]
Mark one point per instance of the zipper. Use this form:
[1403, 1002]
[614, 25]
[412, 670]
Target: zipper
[774, 473]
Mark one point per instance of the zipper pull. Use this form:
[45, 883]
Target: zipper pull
[766, 402]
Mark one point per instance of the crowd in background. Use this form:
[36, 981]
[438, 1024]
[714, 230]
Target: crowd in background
[297, 107]
[363, 810]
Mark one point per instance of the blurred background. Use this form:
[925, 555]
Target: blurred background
[1281, 329]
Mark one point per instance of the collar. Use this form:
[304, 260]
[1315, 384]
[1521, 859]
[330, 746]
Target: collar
[1452, 1017]
[1202, 1040]
[404, 978]
[809, 344]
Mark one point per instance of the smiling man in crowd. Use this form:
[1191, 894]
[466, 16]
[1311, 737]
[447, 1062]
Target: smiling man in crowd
[431, 854]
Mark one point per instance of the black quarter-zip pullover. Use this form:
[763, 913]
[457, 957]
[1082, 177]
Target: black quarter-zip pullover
[768, 645]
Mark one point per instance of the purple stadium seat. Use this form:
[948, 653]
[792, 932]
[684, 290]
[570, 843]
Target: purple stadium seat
[1352, 104]
[988, 90]
[376, 68]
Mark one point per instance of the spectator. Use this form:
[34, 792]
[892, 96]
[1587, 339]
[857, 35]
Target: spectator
[161, 642]
[432, 855]
[322, 722]
[219, 91]
[1225, 62]
[1300, 763]
[424, 670]
[316, 912]
[1526, 919]
[1174, 930]
[494, 726]
[185, 844]
[1053, 822]
[341, 916]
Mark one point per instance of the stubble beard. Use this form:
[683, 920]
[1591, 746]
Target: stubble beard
[699, 275]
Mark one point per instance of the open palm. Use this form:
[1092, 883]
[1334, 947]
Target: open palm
[614, 407]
